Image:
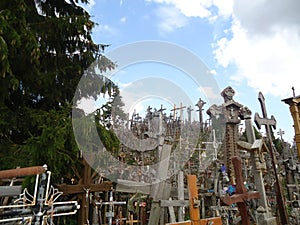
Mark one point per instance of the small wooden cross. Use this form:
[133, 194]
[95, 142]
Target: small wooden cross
[241, 193]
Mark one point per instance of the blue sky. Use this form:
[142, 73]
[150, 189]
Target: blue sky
[250, 45]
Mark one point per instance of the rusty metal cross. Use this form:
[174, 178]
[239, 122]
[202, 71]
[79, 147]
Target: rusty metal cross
[268, 123]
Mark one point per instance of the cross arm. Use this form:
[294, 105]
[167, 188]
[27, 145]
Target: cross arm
[76, 189]
[229, 200]
[264, 121]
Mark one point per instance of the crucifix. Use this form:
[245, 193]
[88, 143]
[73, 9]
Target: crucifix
[241, 193]
[268, 123]
[83, 190]
[200, 105]
[42, 206]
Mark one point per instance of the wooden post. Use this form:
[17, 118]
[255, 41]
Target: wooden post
[20, 172]
[193, 197]
[294, 104]
[241, 193]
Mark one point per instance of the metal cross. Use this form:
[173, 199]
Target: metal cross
[40, 208]
[111, 203]
[215, 145]
[268, 123]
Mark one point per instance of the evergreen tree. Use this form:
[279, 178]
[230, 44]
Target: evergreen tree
[45, 46]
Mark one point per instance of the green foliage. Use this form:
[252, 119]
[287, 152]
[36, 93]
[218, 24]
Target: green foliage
[45, 46]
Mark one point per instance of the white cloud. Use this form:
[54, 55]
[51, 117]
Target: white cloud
[106, 30]
[171, 19]
[265, 48]
[123, 19]
[199, 8]
[262, 42]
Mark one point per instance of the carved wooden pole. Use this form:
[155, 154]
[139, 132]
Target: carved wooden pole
[294, 104]
[272, 122]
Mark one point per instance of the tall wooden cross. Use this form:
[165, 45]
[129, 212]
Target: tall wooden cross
[241, 193]
[257, 149]
[268, 123]
[189, 112]
[83, 190]
[180, 110]
[200, 105]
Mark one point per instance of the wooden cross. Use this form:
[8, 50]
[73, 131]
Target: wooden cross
[281, 133]
[268, 123]
[180, 203]
[132, 221]
[189, 111]
[241, 193]
[179, 108]
[200, 105]
[83, 190]
[194, 204]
